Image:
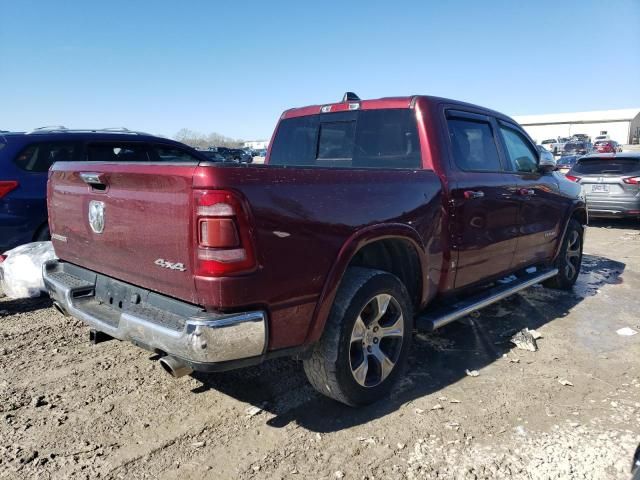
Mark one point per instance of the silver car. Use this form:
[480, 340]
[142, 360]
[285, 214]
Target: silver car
[611, 183]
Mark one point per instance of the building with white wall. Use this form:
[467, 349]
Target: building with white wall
[621, 125]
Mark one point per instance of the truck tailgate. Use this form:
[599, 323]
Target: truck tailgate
[147, 218]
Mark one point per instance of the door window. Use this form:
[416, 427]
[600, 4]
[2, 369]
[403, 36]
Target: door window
[167, 153]
[521, 155]
[474, 148]
[40, 156]
[117, 152]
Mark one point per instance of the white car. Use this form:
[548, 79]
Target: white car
[555, 146]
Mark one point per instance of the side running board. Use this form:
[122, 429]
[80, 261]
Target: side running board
[434, 318]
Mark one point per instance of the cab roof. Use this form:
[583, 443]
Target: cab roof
[383, 103]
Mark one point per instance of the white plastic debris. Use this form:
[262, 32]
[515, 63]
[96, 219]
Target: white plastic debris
[21, 272]
[626, 332]
[472, 373]
[526, 340]
[252, 411]
[564, 382]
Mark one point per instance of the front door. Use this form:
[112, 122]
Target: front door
[484, 206]
[541, 205]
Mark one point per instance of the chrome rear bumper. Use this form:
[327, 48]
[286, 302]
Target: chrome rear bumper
[153, 321]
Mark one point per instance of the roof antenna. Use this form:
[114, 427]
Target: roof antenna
[350, 97]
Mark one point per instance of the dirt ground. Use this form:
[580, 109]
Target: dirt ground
[571, 410]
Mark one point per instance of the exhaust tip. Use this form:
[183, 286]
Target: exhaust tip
[174, 367]
[60, 309]
[96, 336]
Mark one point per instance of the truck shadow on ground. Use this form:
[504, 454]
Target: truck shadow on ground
[23, 305]
[437, 360]
[615, 223]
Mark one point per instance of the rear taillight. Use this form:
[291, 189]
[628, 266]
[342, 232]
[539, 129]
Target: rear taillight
[6, 186]
[572, 178]
[632, 180]
[223, 238]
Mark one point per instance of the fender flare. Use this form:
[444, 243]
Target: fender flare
[577, 206]
[351, 246]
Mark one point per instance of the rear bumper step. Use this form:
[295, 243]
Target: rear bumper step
[153, 321]
[439, 317]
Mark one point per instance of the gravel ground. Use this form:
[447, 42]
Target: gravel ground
[571, 410]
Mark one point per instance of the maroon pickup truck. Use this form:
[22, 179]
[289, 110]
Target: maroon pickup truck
[369, 219]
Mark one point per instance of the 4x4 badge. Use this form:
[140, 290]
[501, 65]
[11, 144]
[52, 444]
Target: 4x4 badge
[96, 216]
[161, 262]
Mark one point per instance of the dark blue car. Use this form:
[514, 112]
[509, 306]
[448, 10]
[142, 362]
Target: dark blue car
[25, 159]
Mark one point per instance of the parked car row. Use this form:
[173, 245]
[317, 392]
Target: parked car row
[581, 144]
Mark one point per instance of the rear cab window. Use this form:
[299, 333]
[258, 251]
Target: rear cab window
[385, 138]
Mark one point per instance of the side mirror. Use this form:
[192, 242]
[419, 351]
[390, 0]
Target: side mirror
[546, 161]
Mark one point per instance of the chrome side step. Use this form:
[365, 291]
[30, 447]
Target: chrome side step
[434, 318]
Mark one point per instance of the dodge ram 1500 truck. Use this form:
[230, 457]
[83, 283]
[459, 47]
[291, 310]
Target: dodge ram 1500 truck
[369, 219]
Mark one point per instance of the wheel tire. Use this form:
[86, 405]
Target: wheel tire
[569, 259]
[330, 368]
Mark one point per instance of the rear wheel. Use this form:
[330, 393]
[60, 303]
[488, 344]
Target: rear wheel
[363, 350]
[569, 259]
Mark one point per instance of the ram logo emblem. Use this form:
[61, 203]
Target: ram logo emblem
[96, 216]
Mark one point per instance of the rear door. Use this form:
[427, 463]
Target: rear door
[542, 207]
[126, 212]
[485, 208]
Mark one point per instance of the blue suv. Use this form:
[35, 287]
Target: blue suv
[25, 159]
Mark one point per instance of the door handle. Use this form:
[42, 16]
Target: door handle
[526, 192]
[94, 180]
[471, 194]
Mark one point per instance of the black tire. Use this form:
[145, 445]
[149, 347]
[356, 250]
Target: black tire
[330, 368]
[569, 259]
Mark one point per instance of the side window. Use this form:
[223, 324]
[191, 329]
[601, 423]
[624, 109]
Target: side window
[168, 153]
[40, 156]
[117, 152]
[474, 148]
[336, 140]
[521, 155]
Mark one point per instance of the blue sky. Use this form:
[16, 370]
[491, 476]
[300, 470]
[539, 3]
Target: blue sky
[233, 67]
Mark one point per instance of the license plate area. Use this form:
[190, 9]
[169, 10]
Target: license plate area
[118, 295]
[599, 188]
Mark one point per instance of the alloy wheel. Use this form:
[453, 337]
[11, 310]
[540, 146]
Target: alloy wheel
[573, 255]
[376, 340]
